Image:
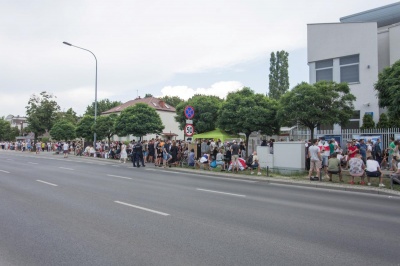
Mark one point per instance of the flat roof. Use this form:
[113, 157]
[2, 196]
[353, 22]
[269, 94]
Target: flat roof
[383, 16]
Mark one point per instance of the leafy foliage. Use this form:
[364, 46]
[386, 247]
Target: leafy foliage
[7, 133]
[321, 103]
[69, 115]
[383, 121]
[138, 120]
[148, 95]
[388, 87]
[278, 74]
[84, 128]
[105, 126]
[172, 100]
[63, 130]
[368, 122]
[246, 112]
[102, 106]
[41, 113]
[206, 109]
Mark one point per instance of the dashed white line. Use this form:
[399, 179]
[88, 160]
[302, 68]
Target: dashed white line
[66, 168]
[51, 184]
[141, 208]
[4, 171]
[32, 163]
[220, 192]
[119, 176]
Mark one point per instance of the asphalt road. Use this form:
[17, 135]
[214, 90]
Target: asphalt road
[80, 211]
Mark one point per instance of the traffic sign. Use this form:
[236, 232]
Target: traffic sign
[189, 112]
[189, 121]
[189, 130]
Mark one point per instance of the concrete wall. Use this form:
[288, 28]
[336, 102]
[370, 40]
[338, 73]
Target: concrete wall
[394, 37]
[383, 49]
[289, 155]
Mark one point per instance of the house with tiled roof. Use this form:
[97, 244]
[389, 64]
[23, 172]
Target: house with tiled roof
[164, 110]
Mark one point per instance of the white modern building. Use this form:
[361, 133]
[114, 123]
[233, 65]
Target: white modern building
[355, 50]
[166, 112]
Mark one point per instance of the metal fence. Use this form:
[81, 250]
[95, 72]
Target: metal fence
[348, 134]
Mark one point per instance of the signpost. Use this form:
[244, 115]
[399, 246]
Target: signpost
[189, 128]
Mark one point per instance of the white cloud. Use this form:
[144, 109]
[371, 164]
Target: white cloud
[220, 89]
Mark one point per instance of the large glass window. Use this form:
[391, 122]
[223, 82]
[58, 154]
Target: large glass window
[350, 68]
[324, 70]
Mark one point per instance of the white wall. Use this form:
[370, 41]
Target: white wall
[394, 37]
[170, 124]
[289, 155]
[335, 40]
[383, 49]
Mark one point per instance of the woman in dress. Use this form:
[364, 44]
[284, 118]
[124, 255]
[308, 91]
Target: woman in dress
[124, 155]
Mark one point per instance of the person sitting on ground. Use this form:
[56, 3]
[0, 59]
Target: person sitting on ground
[219, 158]
[92, 151]
[373, 170]
[87, 150]
[396, 175]
[334, 167]
[204, 160]
[357, 167]
[255, 165]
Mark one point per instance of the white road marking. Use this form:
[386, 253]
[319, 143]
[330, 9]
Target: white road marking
[4, 171]
[47, 183]
[10, 160]
[32, 163]
[66, 168]
[120, 176]
[141, 208]
[220, 192]
[116, 165]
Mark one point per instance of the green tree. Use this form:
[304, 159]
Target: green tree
[102, 106]
[246, 112]
[63, 130]
[368, 122]
[7, 133]
[388, 87]
[69, 115]
[320, 103]
[148, 95]
[383, 121]
[138, 120]
[105, 126]
[172, 100]
[84, 128]
[206, 109]
[278, 74]
[41, 113]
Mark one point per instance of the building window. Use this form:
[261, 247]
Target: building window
[354, 122]
[324, 70]
[349, 69]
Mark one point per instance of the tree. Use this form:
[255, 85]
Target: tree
[138, 120]
[63, 130]
[102, 106]
[246, 112]
[388, 87]
[7, 133]
[41, 113]
[278, 74]
[172, 100]
[206, 109]
[84, 128]
[383, 122]
[148, 95]
[105, 126]
[69, 115]
[320, 103]
[368, 122]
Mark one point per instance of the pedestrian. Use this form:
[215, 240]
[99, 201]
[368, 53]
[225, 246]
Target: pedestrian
[315, 160]
[66, 149]
[123, 154]
[334, 167]
[235, 150]
[357, 167]
[373, 170]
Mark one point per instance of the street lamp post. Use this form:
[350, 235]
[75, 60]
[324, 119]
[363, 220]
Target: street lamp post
[95, 90]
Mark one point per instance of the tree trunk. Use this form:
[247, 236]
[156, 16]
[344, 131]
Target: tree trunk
[312, 134]
[247, 145]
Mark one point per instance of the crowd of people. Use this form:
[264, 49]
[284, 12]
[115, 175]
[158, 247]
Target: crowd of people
[361, 158]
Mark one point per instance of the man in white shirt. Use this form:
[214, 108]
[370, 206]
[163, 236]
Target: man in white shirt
[373, 170]
[323, 146]
[66, 149]
[314, 154]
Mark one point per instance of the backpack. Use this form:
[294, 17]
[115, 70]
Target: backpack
[249, 160]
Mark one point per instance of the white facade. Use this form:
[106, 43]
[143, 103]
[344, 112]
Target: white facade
[354, 52]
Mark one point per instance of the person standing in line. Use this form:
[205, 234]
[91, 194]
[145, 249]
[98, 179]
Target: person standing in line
[124, 155]
[235, 150]
[391, 147]
[378, 151]
[363, 150]
[138, 148]
[315, 159]
[66, 149]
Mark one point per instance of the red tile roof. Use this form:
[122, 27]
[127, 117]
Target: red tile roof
[156, 103]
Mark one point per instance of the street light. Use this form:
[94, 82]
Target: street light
[95, 90]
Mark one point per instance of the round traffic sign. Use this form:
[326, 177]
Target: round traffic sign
[189, 130]
[189, 112]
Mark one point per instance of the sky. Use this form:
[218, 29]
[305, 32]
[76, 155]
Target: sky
[175, 47]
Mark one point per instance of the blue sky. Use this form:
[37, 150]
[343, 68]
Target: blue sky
[175, 47]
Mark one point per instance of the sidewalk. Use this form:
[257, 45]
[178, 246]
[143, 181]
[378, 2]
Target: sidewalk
[262, 178]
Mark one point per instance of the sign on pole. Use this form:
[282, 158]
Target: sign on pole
[189, 130]
[189, 112]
